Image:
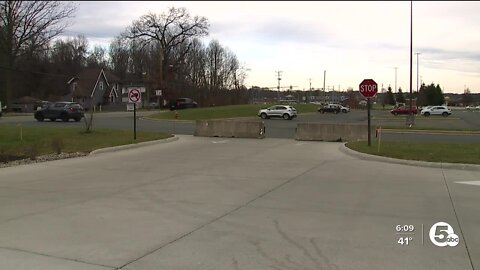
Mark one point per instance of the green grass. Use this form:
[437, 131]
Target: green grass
[231, 111]
[405, 128]
[468, 153]
[23, 141]
[417, 118]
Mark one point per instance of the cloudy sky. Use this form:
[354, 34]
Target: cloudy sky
[350, 40]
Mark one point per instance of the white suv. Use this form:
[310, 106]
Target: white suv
[436, 110]
[344, 109]
[284, 111]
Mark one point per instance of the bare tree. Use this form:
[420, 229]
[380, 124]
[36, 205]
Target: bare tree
[119, 57]
[28, 24]
[70, 55]
[97, 57]
[215, 55]
[168, 30]
[196, 64]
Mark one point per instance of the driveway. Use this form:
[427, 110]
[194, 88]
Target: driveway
[213, 203]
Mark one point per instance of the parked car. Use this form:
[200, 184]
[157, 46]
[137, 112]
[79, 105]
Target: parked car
[330, 108]
[404, 110]
[344, 109]
[183, 103]
[40, 104]
[286, 112]
[436, 110]
[469, 108]
[60, 110]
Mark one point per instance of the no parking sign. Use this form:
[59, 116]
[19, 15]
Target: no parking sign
[134, 95]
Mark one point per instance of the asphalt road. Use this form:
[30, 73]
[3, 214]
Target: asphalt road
[216, 203]
[279, 128]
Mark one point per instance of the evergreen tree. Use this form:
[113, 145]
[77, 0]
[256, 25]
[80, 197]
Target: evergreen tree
[389, 97]
[400, 96]
[439, 99]
[422, 97]
[430, 95]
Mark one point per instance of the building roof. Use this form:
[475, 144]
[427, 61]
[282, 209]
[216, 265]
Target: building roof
[88, 79]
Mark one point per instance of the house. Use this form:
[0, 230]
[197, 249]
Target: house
[94, 87]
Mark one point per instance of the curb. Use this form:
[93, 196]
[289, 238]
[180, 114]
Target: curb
[130, 146]
[363, 156]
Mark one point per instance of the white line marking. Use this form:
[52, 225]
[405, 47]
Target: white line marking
[224, 141]
[475, 183]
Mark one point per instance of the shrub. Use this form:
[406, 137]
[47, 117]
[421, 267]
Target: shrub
[57, 145]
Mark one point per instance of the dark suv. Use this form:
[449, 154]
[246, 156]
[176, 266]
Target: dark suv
[60, 110]
[183, 103]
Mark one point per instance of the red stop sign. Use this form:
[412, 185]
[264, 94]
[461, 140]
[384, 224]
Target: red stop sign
[368, 88]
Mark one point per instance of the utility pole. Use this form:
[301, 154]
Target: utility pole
[160, 78]
[310, 90]
[411, 116]
[417, 69]
[279, 74]
[333, 94]
[411, 50]
[324, 75]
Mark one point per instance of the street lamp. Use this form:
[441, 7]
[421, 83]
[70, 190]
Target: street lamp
[417, 68]
[395, 90]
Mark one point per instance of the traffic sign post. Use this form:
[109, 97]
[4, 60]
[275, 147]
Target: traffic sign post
[134, 96]
[135, 121]
[368, 88]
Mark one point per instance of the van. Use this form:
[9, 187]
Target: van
[183, 103]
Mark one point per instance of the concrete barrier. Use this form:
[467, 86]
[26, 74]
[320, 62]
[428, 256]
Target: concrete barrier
[229, 129]
[332, 132]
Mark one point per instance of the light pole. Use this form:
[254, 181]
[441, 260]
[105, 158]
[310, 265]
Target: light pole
[324, 75]
[309, 90]
[417, 68]
[395, 90]
[411, 116]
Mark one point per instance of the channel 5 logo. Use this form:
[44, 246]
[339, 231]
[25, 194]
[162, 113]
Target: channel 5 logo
[442, 235]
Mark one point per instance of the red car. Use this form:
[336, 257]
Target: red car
[404, 110]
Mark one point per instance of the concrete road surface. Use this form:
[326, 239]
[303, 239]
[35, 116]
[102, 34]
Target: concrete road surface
[213, 203]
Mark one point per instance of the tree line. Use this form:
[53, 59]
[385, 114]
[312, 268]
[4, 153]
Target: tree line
[427, 95]
[164, 51]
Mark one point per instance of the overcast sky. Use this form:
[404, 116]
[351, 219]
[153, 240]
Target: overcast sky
[350, 40]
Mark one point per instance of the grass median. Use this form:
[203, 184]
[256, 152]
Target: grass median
[432, 129]
[468, 153]
[222, 112]
[21, 142]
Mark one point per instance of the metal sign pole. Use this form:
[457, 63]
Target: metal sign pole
[369, 124]
[135, 121]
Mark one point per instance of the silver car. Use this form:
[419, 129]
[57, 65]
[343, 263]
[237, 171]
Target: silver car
[286, 112]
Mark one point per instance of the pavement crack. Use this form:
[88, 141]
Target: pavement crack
[456, 216]
[224, 215]
[56, 257]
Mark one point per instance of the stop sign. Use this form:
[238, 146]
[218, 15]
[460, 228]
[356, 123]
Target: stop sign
[368, 88]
